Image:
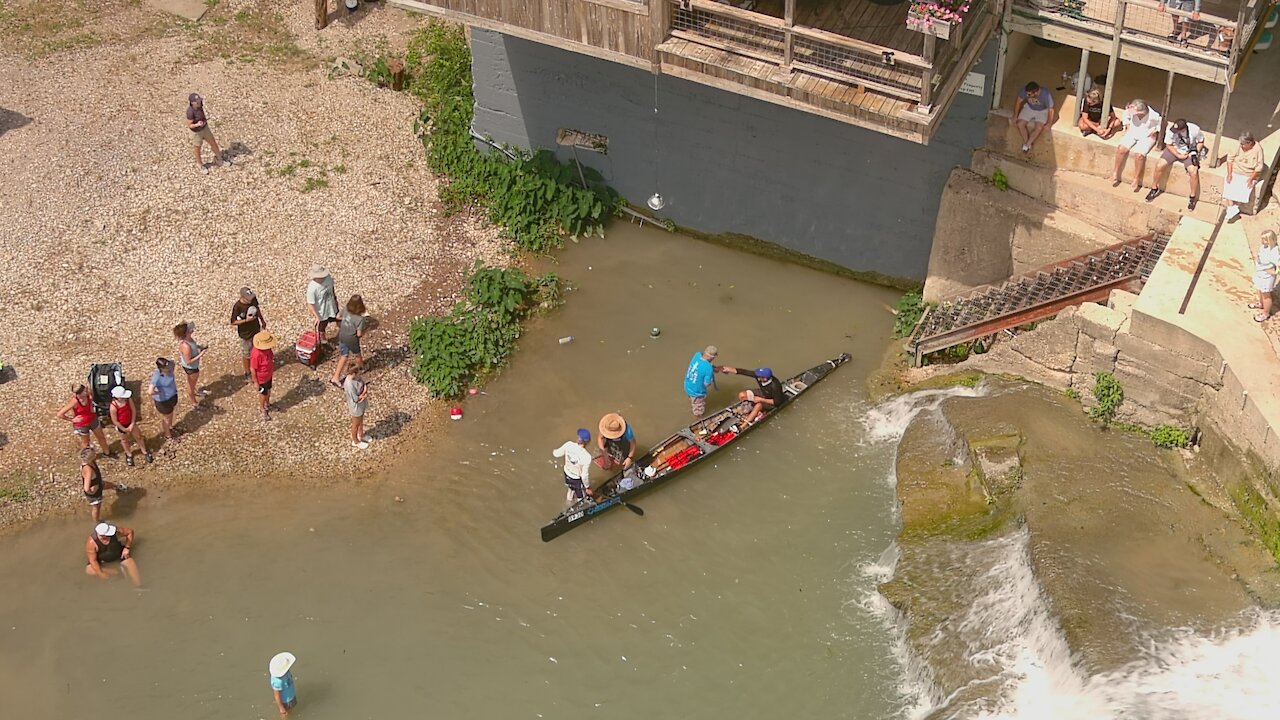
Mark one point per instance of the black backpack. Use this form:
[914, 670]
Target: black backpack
[103, 378]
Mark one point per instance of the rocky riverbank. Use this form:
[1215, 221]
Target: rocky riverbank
[111, 235]
[1026, 527]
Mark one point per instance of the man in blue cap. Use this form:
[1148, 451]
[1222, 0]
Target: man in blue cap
[577, 466]
[770, 394]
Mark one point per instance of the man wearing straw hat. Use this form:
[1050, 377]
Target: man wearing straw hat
[262, 362]
[617, 442]
[282, 682]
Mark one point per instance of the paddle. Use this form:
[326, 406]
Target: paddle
[631, 507]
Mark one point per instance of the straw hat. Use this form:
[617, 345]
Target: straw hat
[281, 663]
[264, 341]
[318, 272]
[612, 426]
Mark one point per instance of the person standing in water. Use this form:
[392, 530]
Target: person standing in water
[108, 544]
[699, 376]
[617, 442]
[577, 466]
[286, 696]
[92, 484]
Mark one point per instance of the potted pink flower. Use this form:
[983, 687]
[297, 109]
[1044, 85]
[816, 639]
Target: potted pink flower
[935, 17]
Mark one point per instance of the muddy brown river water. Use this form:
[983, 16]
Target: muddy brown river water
[738, 594]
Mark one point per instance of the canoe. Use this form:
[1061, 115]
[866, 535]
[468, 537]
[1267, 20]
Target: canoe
[683, 450]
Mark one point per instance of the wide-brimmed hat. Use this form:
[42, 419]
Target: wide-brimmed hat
[318, 272]
[281, 663]
[264, 340]
[105, 529]
[121, 392]
[612, 426]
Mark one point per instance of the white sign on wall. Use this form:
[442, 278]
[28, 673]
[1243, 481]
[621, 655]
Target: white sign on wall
[974, 84]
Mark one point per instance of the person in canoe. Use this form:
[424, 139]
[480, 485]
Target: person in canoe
[617, 442]
[577, 466]
[770, 395]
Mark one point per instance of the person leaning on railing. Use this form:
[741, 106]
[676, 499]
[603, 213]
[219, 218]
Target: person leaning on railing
[1181, 26]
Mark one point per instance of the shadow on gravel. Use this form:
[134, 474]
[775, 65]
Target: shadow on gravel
[384, 359]
[308, 386]
[126, 503]
[226, 385]
[236, 151]
[196, 417]
[10, 120]
[389, 426]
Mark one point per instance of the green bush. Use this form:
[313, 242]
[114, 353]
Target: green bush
[480, 333]
[534, 197]
[1000, 180]
[1169, 436]
[909, 309]
[1109, 394]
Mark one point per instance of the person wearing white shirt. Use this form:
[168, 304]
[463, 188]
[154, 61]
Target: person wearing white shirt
[1143, 125]
[1183, 143]
[1264, 274]
[577, 466]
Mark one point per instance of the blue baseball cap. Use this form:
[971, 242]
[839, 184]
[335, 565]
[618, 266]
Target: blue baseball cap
[764, 373]
[584, 435]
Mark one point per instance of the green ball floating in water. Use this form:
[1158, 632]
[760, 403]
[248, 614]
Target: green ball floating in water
[655, 332]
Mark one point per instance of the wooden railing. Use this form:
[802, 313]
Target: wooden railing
[791, 47]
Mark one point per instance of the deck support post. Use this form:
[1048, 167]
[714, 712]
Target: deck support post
[1232, 64]
[789, 37]
[926, 77]
[1080, 77]
[1164, 110]
[1002, 29]
[1116, 32]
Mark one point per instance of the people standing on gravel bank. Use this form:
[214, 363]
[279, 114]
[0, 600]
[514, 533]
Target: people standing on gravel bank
[1264, 274]
[198, 124]
[263, 362]
[248, 320]
[83, 418]
[92, 484]
[357, 393]
[322, 299]
[108, 544]
[350, 330]
[189, 354]
[124, 415]
[163, 389]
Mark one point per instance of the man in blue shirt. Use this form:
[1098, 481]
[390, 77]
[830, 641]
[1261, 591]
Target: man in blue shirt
[282, 682]
[700, 376]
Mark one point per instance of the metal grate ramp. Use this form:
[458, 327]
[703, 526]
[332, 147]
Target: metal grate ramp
[1035, 295]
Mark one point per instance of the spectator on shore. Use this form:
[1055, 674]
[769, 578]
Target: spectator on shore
[1032, 113]
[1264, 274]
[198, 124]
[79, 411]
[357, 394]
[163, 389]
[699, 376]
[263, 362]
[1244, 167]
[248, 320]
[350, 330]
[124, 415]
[92, 484]
[322, 299]
[108, 544]
[1183, 143]
[189, 354]
[1143, 125]
[1090, 121]
[1181, 25]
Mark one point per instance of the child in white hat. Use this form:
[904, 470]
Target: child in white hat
[282, 682]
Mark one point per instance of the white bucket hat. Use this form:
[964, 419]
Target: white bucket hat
[121, 392]
[105, 529]
[281, 663]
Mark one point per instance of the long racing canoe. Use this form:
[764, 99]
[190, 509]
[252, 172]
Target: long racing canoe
[681, 451]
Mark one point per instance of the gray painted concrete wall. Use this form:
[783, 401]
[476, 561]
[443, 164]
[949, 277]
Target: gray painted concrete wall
[732, 164]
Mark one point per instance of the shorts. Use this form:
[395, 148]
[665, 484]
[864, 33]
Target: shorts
[1183, 5]
[575, 484]
[165, 407]
[246, 347]
[345, 349]
[264, 388]
[1038, 117]
[1140, 144]
[96, 424]
[324, 325]
[202, 136]
[1174, 160]
[1264, 281]
[95, 499]
[698, 405]
[190, 371]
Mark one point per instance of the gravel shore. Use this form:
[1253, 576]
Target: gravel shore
[110, 236]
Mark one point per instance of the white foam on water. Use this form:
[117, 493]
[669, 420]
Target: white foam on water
[889, 420]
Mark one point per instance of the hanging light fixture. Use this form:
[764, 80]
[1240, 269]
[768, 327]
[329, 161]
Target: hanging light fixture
[656, 202]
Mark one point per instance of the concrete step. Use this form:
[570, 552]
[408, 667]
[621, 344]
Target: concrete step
[1062, 147]
[1093, 199]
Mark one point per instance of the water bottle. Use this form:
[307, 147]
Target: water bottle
[566, 339]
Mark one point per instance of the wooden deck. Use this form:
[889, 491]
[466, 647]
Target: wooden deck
[870, 22]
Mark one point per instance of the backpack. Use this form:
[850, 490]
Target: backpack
[103, 378]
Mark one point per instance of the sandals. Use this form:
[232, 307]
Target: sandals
[1260, 318]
